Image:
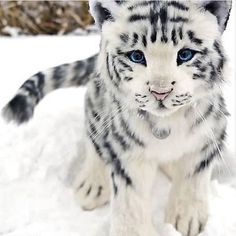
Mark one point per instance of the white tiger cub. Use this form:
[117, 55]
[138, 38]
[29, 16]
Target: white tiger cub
[156, 99]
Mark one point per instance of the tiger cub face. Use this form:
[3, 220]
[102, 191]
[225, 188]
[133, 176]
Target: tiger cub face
[161, 56]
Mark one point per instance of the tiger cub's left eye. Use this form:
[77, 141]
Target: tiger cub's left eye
[185, 55]
[137, 56]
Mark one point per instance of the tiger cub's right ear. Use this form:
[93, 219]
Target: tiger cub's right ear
[104, 10]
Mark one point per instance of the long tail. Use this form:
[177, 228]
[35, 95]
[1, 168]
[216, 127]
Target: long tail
[21, 108]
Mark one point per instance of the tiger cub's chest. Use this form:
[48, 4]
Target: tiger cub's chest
[170, 140]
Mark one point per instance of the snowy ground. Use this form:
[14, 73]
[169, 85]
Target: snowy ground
[38, 161]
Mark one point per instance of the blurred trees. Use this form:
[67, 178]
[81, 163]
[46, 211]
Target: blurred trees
[43, 17]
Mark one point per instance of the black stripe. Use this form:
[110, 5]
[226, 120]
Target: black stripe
[120, 2]
[92, 128]
[193, 39]
[213, 73]
[40, 81]
[99, 192]
[144, 41]
[163, 18]
[124, 37]
[83, 70]
[30, 87]
[120, 171]
[207, 113]
[97, 85]
[127, 78]
[220, 139]
[109, 72]
[117, 74]
[223, 106]
[179, 19]
[141, 4]
[203, 165]
[154, 17]
[125, 126]
[198, 64]
[204, 52]
[174, 37]
[125, 65]
[136, 17]
[78, 68]
[116, 163]
[154, 35]
[199, 76]
[90, 108]
[59, 75]
[120, 52]
[129, 133]
[96, 145]
[115, 188]
[115, 70]
[180, 33]
[119, 138]
[178, 5]
[220, 53]
[108, 146]
[89, 191]
[135, 39]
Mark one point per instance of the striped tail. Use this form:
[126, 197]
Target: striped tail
[21, 108]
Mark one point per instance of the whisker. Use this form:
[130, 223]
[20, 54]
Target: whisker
[213, 138]
[106, 125]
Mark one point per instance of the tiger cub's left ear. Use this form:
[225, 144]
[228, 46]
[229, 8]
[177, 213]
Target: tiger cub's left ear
[104, 10]
[220, 9]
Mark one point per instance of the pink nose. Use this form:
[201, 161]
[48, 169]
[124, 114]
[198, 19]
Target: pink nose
[161, 95]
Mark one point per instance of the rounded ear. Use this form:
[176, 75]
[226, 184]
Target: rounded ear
[220, 9]
[104, 10]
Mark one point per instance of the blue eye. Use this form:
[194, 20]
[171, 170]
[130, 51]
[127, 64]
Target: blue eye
[137, 56]
[185, 55]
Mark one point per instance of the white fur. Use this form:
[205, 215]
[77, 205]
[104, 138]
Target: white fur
[188, 202]
[95, 174]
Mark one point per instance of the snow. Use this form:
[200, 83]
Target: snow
[39, 160]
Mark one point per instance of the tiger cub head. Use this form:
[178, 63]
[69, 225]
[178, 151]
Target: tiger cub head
[161, 56]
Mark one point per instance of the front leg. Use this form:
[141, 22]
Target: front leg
[131, 209]
[187, 208]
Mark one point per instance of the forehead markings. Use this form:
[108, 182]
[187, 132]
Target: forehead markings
[174, 37]
[193, 38]
[178, 5]
[164, 19]
[131, 39]
[158, 15]
[180, 33]
[174, 4]
[144, 41]
[124, 37]
[141, 4]
[153, 21]
[135, 40]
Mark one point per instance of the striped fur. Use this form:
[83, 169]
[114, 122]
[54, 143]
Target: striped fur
[130, 131]
[21, 108]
